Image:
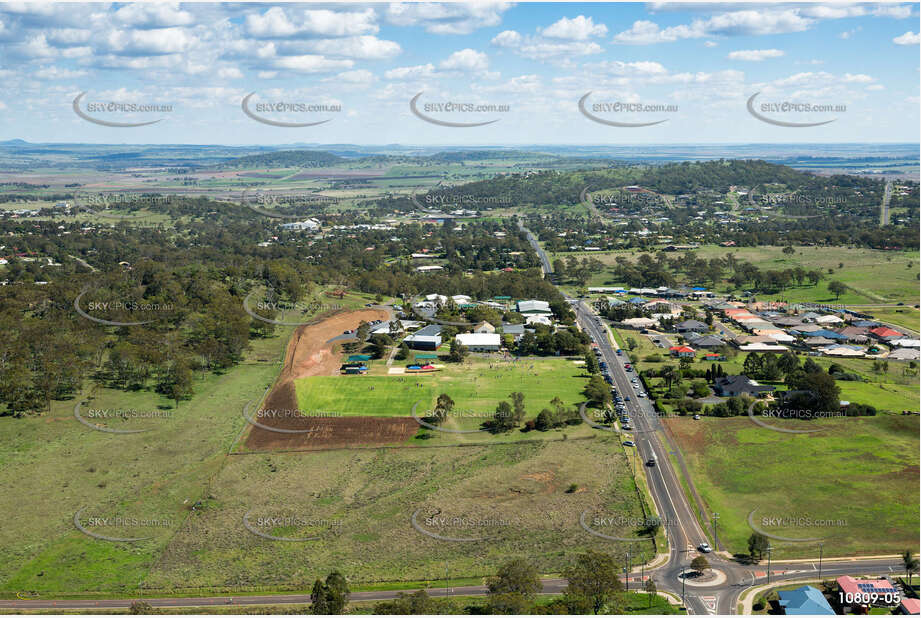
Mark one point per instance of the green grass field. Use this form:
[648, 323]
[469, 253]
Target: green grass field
[477, 386]
[859, 473]
[518, 491]
[873, 276]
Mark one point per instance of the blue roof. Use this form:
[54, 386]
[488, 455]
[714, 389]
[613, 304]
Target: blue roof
[828, 333]
[804, 601]
[636, 300]
[699, 289]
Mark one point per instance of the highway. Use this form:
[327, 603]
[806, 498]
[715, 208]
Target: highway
[683, 531]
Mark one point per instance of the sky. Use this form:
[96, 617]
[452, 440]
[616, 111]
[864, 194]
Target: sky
[514, 73]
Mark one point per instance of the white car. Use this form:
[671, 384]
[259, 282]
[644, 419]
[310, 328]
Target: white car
[704, 548]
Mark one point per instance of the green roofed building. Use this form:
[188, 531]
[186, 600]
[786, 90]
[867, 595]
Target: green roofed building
[425, 356]
[359, 357]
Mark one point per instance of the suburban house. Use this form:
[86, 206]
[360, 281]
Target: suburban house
[707, 341]
[692, 326]
[480, 342]
[484, 327]
[533, 307]
[682, 351]
[309, 225]
[884, 333]
[538, 319]
[804, 601]
[858, 589]
[714, 357]
[910, 607]
[427, 338]
[734, 386]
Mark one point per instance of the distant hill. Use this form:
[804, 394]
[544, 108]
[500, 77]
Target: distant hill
[286, 158]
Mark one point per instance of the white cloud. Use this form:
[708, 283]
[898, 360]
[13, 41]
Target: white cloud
[754, 55]
[735, 23]
[153, 15]
[311, 63]
[710, 43]
[363, 47]
[909, 38]
[359, 76]
[447, 18]
[579, 28]
[278, 23]
[229, 73]
[152, 42]
[507, 38]
[53, 73]
[408, 73]
[466, 60]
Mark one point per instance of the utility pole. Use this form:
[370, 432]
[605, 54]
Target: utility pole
[627, 572]
[446, 579]
[683, 577]
[821, 547]
[769, 551]
[716, 541]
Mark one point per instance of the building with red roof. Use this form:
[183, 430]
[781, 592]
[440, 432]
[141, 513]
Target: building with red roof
[857, 595]
[885, 333]
[682, 351]
[910, 606]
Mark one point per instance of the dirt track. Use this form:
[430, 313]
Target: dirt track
[309, 354]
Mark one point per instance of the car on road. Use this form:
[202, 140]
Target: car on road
[629, 443]
[641, 394]
[704, 548]
[620, 352]
[627, 398]
[651, 461]
[697, 417]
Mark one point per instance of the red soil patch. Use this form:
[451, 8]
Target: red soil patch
[309, 354]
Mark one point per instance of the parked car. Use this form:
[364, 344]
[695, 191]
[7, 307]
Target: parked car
[697, 417]
[629, 443]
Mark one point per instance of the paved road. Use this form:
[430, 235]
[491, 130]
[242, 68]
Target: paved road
[679, 521]
[884, 210]
[545, 264]
[682, 528]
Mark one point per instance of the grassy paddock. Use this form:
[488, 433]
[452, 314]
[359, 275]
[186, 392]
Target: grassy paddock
[855, 473]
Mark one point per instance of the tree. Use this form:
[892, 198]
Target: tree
[329, 597]
[503, 419]
[757, 544]
[518, 410]
[700, 564]
[544, 420]
[178, 384]
[403, 352]
[515, 577]
[591, 363]
[597, 390]
[443, 407]
[416, 603]
[141, 608]
[651, 590]
[458, 352]
[837, 288]
[380, 342]
[789, 250]
[911, 564]
[593, 579]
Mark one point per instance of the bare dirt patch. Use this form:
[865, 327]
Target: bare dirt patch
[310, 354]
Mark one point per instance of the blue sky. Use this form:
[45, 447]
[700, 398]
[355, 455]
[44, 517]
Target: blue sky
[692, 67]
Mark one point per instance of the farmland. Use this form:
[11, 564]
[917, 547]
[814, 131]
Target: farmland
[873, 276]
[852, 477]
[518, 492]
